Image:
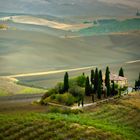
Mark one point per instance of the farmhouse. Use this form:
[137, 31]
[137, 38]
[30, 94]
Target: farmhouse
[121, 81]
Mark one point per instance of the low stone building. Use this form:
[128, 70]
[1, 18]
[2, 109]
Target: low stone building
[121, 81]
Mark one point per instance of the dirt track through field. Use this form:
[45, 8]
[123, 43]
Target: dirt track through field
[48, 72]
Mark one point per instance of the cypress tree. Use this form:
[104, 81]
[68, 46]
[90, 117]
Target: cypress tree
[82, 102]
[101, 77]
[113, 88]
[96, 80]
[87, 87]
[92, 77]
[137, 83]
[66, 82]
[121, 73]
[92, 97]
[139, 80]
[107, 81]
[78, 102]
[99, 89]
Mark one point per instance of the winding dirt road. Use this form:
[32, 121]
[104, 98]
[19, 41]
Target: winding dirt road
[49, 72]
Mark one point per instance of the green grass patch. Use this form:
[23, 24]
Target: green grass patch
[29, 90]
[49, 126]
[3, 92]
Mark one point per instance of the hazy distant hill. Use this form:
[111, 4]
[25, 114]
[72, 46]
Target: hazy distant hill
[72, 7]
[37, 42]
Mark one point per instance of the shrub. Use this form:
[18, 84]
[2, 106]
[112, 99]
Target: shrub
[59, 98]
[65, 98]
[81, 80]
[44, 96]
[54, 109]
[123, 88]
[46, 100]
[52, 91]
[69, 99]
[116, 86]
[53, 96]
[72, 82]
[77, 81]
[76, 111]
[66, 111]
[42, 102]
[59, 88]
[49, 93]
[76, 91]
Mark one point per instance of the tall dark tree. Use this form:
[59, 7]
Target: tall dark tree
[101, 77]
[107, 81]
[121, 72]
[87, 87]
[66, 82]
[92, 77]
[92, 97]
[82, 101]
[107, 75]
[96, 80]
[137, 83]
[99, 89]
[113, 88]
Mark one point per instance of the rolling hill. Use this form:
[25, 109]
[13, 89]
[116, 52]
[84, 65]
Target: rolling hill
[114, 120]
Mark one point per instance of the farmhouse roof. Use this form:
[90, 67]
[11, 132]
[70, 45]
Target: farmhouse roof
[114, 77]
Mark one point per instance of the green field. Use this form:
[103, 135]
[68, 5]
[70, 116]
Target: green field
[106, 26]
[116, 120]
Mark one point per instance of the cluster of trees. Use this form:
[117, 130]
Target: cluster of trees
[69, 91]
[137, 83]
[75, 90]
[78, 87]
[94, 86]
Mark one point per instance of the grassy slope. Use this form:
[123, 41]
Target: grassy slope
[117, 120]
[8, 87]
[86, 50]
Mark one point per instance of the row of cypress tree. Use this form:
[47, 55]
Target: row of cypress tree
[96, 80]
[94, 85]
